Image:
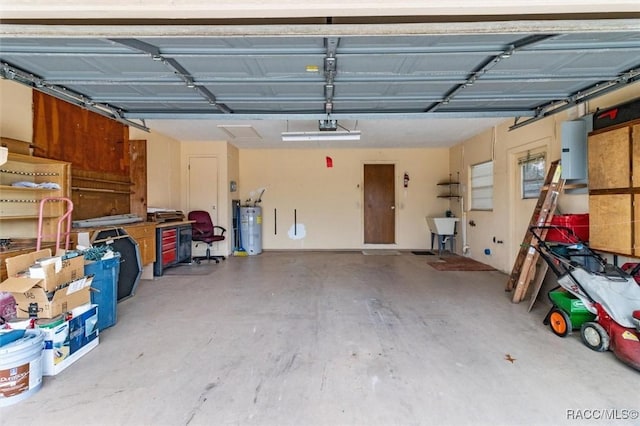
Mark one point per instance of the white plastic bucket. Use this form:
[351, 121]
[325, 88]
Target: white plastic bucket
[21, 367]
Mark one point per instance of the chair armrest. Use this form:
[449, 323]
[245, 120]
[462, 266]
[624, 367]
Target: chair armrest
[221, 228]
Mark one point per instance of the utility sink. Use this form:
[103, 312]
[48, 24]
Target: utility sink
[442, 225]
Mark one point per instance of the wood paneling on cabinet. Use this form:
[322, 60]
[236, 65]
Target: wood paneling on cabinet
[614, 189]
[138, 177]
[609, 225]
[96, 194]
[605, 150]
[635, 163]
[108, 173]
[91, 142]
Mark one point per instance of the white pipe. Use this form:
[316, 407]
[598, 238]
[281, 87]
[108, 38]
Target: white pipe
[465, 247]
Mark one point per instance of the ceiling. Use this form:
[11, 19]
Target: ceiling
[400, 85]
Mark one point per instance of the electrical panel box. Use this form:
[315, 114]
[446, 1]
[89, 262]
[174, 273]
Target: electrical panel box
[574, 149]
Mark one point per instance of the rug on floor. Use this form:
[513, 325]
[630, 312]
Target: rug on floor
[423, 252]
[377, 252]
[459, 263]
[204, 268]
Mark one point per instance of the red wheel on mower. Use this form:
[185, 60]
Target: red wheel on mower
[594, 336]
[559, 322]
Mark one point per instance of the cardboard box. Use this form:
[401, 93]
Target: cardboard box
[27, 291]
[65, 343]
[55, 271]
[76, 294]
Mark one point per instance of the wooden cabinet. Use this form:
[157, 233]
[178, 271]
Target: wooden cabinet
[24, 181]
[614, 189]
[144, 233]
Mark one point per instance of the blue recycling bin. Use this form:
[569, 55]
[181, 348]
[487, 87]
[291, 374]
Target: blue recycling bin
[105, 282]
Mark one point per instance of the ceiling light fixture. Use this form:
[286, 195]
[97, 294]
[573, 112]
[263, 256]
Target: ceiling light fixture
[353, 135]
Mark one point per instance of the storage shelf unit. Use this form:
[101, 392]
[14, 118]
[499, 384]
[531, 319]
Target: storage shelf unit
[19, 205]
[452, 187]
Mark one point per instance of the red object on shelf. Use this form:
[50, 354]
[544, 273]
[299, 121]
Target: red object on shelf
[578, 223]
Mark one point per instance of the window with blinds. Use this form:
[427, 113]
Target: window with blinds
[532, 175]
[482, 186]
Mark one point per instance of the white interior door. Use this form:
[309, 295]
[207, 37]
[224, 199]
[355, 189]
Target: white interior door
[203, 185]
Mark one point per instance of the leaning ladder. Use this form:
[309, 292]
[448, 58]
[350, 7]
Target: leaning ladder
[525, 265]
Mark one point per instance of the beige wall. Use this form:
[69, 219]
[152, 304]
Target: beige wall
[163, 169]
[510, 216]
[16, 111]
[328, 201]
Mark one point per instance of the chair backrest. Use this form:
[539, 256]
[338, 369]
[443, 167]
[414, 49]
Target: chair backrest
[203, 226]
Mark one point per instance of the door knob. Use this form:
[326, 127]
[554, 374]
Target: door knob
[393, 207]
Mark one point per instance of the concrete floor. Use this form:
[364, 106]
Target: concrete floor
[330, 338]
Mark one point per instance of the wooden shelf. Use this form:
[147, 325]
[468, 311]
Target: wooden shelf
[453, 187]
[115, 182]
[28, 173]
[110, 191]
[24, 188]
[29, 217]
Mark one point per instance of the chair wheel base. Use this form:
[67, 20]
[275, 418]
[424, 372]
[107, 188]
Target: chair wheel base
[198, 260]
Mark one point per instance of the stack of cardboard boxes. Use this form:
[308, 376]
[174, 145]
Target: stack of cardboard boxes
[54, 293]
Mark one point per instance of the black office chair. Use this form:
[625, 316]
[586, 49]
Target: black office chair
[203, 230]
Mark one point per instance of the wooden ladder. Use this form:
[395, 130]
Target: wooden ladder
[524, 267]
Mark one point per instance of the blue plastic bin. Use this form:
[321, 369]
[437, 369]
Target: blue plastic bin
[105, 282]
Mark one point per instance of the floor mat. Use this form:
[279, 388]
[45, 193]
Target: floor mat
[460, 263]
[423, 252]
[205, 268]
[381, 252]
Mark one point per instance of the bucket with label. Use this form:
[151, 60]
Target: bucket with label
[21, 367]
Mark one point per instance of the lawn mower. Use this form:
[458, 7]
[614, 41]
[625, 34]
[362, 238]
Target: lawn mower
[610, 295]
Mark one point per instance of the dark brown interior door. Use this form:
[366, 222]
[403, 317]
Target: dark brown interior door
[379, 204]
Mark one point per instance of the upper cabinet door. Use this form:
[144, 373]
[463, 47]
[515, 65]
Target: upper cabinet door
[609, 159]
[635, 137]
